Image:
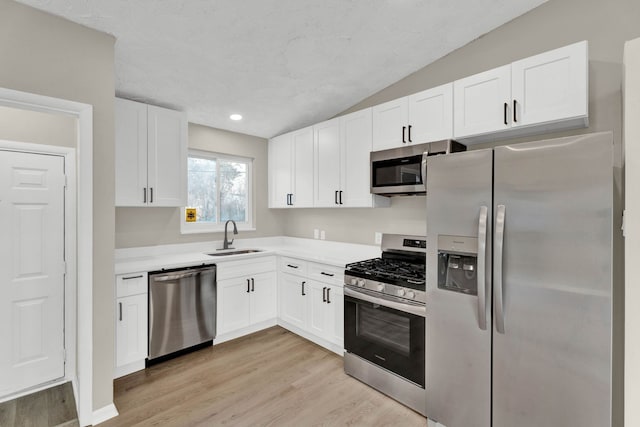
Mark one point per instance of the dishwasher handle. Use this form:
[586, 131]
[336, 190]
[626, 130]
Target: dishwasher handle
[182, 274]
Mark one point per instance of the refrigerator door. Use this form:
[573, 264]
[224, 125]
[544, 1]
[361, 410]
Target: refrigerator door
[552, 283]
[458, 323]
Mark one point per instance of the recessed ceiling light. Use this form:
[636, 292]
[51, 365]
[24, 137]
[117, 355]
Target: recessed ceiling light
[235, 117]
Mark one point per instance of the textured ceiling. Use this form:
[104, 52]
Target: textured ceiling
[282, 64]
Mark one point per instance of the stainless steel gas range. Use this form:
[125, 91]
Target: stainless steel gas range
[384, 320]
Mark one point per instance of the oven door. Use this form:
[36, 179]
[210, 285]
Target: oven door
[391, 338]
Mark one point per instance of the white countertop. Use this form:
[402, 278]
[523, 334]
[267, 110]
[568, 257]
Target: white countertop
[151, 258]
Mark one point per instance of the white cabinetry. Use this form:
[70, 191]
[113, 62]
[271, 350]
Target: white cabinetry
[291, 169]
[131, 323]
[341, 152]
[246, 296]
[422, 117]
[311, 301]
[541, 93]
[151, 155]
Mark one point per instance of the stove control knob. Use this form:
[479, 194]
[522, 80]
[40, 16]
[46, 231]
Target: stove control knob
[361, 283]
[354, 281]
[401, 292]
[380, 287]
[411, 294]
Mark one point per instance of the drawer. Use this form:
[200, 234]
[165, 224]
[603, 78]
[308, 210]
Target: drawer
[131, 284]
[245, 267]
[293, 266]
[326, 273]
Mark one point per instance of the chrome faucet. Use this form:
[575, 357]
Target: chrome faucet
[226, 243]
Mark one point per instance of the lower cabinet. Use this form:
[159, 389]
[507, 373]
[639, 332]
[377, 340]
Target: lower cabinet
[131, 323]
[311, 302]
[246, 293]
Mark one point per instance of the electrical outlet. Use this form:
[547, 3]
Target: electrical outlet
[378, 238]
[322, 235]
[316, 233]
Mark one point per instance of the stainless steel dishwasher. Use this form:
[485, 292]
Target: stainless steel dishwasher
[182, 309]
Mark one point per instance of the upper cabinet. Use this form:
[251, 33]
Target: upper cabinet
[291, 169]
[422, 117]
[151, 155]
[541, 93]
[341, 151]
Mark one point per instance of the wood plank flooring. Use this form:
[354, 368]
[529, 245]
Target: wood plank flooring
[54, 406]
[270, 378]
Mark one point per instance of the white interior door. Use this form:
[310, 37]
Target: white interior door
[31, 270]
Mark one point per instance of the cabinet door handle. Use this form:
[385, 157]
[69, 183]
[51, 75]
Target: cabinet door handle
[328, 300]
[403, 130]
[144, 195]
[120, 308]
[327, 274]
[253, 288]
[409, 133]
[340, 196]
[292, 266]
[515, 119]
[248, 286]
[505, 113]
[151, 195]
[324, 294]
[335, 197]
[303, 294]
[133, 277]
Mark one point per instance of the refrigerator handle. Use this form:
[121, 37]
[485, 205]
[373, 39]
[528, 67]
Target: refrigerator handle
[497, 272]
[482, 260]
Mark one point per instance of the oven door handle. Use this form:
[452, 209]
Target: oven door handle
[418, 310]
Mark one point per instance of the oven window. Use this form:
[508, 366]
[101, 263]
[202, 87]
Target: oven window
[387, 329]
[404, 171]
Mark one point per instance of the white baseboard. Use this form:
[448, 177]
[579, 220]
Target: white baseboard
[105, 413]
[121, 371]
[245, 331]
[337, 349]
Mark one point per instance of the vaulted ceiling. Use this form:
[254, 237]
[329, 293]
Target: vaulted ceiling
[282, 64]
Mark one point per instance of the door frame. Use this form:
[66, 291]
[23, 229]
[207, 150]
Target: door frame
[78, 236]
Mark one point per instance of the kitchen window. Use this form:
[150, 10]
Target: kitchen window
[219, 189]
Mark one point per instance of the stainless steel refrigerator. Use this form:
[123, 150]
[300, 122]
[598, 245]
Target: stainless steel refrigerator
[519, 282]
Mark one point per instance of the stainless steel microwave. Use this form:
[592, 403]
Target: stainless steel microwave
[402, 171]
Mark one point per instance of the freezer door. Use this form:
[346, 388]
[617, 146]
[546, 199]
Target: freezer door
[552, 283]
[458, 323]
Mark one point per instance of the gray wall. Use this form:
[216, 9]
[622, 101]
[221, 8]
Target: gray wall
[158, 226]
[606, 25]
[50, 56]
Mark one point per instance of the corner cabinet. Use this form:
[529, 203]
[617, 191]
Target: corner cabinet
[151, 155]
[542, 93]
[422, 117]
[131, 323]
[291, 169]
[341, 171]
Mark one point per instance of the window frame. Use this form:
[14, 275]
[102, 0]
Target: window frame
[207, 227]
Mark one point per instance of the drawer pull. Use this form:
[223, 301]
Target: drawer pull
[133, 277]
[327, 274]
[292, 266]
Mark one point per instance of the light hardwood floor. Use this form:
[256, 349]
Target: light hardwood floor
[270, 378]
[53, 407]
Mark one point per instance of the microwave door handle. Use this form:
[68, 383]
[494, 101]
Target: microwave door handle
[424, 169]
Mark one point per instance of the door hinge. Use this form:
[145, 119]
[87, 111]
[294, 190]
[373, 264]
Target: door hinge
[623, 224]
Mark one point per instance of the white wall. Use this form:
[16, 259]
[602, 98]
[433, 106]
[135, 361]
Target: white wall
[37, 127]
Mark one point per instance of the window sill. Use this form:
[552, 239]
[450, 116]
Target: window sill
[189, 229]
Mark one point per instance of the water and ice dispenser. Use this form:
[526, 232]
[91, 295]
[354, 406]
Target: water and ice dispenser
[457, 264]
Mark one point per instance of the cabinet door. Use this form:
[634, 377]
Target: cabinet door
[431, 115]
[327, 163]
[482, 102]
[293, 294]
[390, 122]
[233, 304]
[551, 86]
[280, 170]
[263, 304]
[167, 157]
[335, 315]
[131, 152]
[131, 329]
[302, 184]
[355, 141]
[317, 309]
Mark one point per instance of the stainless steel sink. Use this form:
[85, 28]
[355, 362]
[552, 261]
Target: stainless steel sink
[235, 252]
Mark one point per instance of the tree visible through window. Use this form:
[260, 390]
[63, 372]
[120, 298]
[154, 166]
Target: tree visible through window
[219, 188]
